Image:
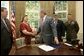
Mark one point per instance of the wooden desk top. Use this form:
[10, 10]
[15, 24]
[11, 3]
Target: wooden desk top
[34, 50]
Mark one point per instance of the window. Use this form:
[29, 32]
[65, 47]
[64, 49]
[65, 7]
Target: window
[61, 8]
[32, 9]
[6, 5]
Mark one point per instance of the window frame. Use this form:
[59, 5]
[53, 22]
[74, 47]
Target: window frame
[62, 11]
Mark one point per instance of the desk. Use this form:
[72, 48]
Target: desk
[34, 50]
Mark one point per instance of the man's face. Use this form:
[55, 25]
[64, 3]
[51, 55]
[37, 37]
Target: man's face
[4, 13]
[41, 14]
[56, 17]
[69, 17]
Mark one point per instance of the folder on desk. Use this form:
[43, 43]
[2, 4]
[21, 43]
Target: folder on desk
[56, 45]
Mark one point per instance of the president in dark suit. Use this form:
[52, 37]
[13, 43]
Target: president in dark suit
[60, 28]
[47, 30]
[6, 34]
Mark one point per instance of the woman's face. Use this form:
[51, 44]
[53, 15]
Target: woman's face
[25, 19]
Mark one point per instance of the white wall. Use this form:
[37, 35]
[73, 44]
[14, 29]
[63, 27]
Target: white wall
[79, 18]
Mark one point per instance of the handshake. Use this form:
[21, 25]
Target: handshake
[34, 32]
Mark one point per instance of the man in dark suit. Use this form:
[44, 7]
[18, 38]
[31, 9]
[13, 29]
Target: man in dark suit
[6, 34]
[47, 30]
[72, 29]
[60, 28]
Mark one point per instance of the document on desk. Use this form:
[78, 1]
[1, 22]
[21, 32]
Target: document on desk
[46, 47]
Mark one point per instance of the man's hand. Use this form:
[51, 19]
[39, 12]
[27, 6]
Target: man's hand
[34, 34]
[34, 31]
[56, 40]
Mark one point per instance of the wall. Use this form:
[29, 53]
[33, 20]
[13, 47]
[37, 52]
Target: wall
[72, 8]
[48, 6]
[79, 18]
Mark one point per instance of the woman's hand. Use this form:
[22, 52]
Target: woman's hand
[34, 33]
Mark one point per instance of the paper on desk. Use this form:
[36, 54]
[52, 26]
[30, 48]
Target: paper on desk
[68, 44]
[81, 50]
[46, 47]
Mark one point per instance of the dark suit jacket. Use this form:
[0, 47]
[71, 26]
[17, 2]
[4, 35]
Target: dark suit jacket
[6, 37]
[47, 30]
[72, 29]
[60, 28]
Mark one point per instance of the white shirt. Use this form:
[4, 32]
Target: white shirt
[55, 21]
[44, 18]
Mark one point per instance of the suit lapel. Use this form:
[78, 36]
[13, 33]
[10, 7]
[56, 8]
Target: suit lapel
[45, 21]
[4, 25]
[8, 25]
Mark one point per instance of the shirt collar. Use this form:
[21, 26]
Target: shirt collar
[44, 17]
[3, 17]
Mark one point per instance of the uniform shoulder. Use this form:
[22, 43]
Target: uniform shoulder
[60, 20]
